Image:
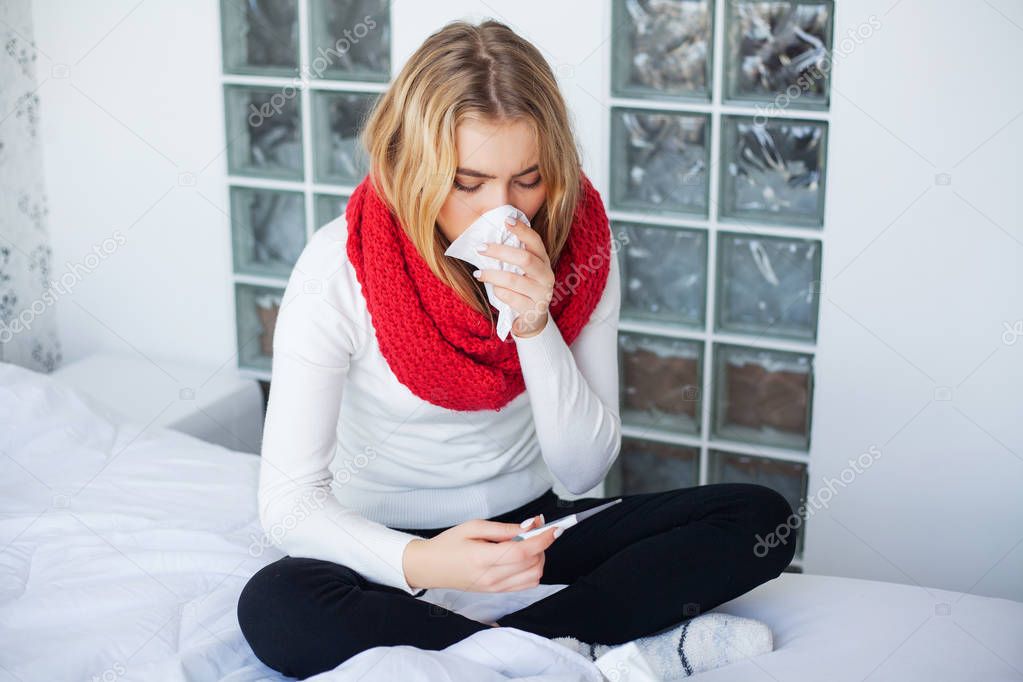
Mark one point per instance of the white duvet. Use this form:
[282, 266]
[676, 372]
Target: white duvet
[123, 551]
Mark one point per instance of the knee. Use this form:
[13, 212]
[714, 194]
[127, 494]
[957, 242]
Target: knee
[260, 615]
[276, 610]
[772, 526]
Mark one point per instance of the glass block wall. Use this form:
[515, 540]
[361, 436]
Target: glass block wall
[718, 131]
[299, 77]
[718, 137]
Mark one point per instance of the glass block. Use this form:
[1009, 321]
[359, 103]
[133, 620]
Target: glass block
[659, 161]
[260, 37]
[326, 207]
[762, 396]
[350, 39]
[768, 285]
[256, 316]
[264, 131]
[662, 49]
[267, 230]
[779, 52]
[648, 466]
[664, 273]
[337, 119]
[788, 478]
[773, 171]
[660, 381]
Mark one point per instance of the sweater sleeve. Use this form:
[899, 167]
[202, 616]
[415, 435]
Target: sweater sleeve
[573, 392]
[313, 342]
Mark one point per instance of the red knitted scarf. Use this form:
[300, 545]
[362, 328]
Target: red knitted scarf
[442, 349]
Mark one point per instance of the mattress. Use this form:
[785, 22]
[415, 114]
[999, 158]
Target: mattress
[124, 550]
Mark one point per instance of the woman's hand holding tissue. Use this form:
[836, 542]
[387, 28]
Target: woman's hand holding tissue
[478, 556]
[530, 293]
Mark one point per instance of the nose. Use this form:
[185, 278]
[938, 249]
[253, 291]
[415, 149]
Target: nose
[501, 196]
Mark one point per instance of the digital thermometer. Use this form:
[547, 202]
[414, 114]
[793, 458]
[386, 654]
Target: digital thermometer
[566, 521]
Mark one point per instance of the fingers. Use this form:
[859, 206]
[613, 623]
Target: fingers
[523, 579]
[515, 255]
[495, 575]
[532, 265]
[511, 285]
[497, 531]
[508, 576]
[532, 522]
[512, 552]
[520, 303]
[529, 237]
[501, 559]
[539, 543]
[504, 564]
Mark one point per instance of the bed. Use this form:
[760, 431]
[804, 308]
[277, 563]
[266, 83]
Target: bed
[125, 549]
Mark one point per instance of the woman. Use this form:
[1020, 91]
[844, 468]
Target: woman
[447, 436]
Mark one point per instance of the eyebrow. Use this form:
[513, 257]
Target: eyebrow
[477, 174]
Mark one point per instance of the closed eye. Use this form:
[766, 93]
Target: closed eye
[466, 188]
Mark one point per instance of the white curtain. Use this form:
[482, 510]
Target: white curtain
[28, 324]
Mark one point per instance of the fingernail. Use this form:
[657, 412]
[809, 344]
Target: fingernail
[526, 523]
[476, 274]
[510, 220]
[481, 248]
[542, 520]
[558, 531]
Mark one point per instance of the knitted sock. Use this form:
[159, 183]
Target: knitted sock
[695, 645]
[590, 651]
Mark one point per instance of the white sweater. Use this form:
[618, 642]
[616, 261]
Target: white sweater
[349, 453]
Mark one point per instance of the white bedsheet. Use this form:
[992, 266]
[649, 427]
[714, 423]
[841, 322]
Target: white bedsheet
[122, 554]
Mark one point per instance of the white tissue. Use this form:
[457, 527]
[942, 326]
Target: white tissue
[490, 228]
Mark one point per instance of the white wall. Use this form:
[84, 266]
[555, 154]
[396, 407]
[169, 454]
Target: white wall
[919, 278]
[140, 104]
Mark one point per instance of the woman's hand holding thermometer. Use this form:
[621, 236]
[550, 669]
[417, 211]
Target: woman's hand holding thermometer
[474, 556]
[565, 521]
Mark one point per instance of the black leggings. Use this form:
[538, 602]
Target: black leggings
[639, 567]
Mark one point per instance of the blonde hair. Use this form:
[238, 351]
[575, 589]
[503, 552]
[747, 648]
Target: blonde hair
[463, 71]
